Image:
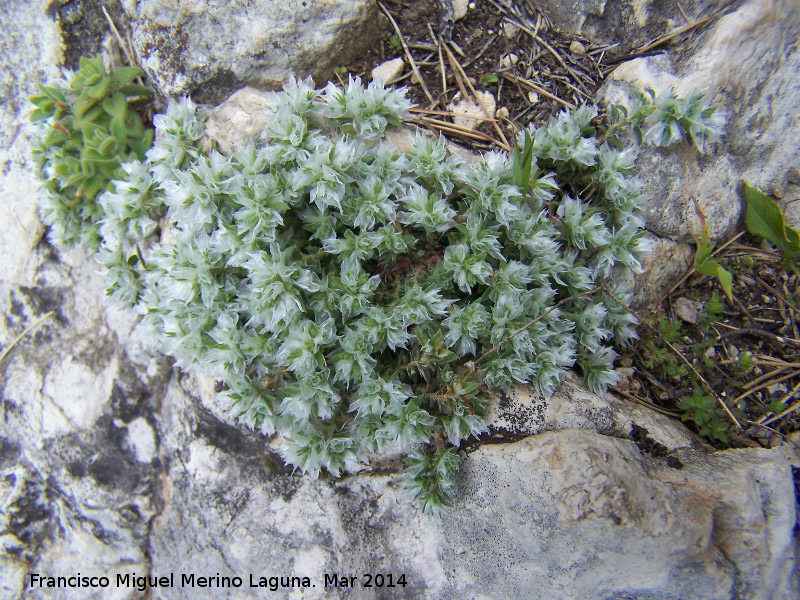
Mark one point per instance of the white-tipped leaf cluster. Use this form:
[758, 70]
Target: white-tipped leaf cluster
[359, 300]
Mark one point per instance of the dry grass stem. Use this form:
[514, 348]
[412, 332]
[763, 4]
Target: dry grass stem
[457, 66]
[677, 32]
[458, 130]
[765, 385]
[532, 86]
[25, 332]
[708, 385]
[784, 400]
[446, 113]
[414, 67]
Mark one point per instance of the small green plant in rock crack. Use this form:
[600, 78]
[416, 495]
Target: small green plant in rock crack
[362, 301]
[660, 349]
[91, 127]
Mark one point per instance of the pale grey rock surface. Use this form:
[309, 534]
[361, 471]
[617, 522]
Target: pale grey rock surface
[389, 71]
[749, 64]
[212, 47]
[662, 267]
[112, 462]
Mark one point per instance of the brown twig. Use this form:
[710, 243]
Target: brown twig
[447, 113]
[25, 332]
[649, 405]
[745, 311]
[408, 53]
[778, 294]
[456, 66]
[538, 38]
[764, 385]
[452, 128]
[708, 385]
[664, 39]
[536, 88]
[760, 333]
[122, 45]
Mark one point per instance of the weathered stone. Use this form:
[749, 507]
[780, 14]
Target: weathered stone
[627, 24]
[33, 41]
[521, 412]
[210, 48]
[239, 121]
[662, 267]
[577, 48]
[746, 66]
[471, 113]
[110, 464]
[389, 71]
[550, 513]
[686, 310]
[460, 8]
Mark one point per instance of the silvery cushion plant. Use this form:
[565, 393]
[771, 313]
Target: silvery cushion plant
[362, 302]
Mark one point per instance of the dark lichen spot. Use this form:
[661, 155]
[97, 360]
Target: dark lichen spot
[228, 439]
[674, 462]
[17, 307]
[45, 299]
[129, 396]
[217, 87]
[114, 471]
[76, 468]
[9, 452]
[26, 513]
[130, 513]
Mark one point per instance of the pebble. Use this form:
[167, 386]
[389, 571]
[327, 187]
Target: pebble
[509, 60]
[510, 30]
[533, 97]
[468, 107]
[686, 310]
[389, 71]
[460, 8]
[577, 48]
[777, 388]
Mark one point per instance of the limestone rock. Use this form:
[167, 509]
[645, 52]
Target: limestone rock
[389, 71]
[722, 525]
[521, 412]
[630, 24]
[33, 41]
[744, 64]
[238, 121]
[460, 8]
[471, 113]
[211, 47]
[575, 502]
[113, 462]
